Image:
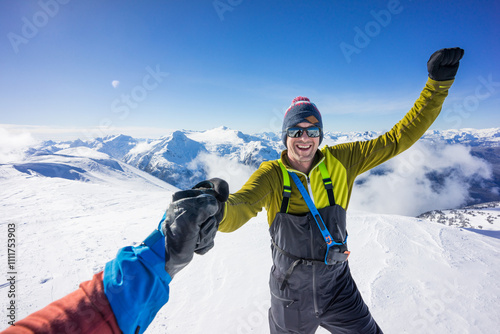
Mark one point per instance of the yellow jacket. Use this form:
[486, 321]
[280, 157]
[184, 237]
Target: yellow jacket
[344, 162]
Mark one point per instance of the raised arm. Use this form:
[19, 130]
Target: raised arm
[359, 157]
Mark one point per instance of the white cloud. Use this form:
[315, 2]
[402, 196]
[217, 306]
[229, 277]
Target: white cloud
[63, 133]
[403, 185]
[233, 172]
[115, 83]
[13, 145]
[141, 147]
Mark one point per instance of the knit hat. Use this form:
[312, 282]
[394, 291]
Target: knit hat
[301, 110]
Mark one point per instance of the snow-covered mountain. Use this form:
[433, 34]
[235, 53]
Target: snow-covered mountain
[114, 146]
[74, 209]
[485, 216]
[179, 158]
[183, 158]
[168, 158]
[470, 137]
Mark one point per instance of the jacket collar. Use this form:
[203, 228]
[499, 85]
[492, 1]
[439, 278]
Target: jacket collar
[318, 158]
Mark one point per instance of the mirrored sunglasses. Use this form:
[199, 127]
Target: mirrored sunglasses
[296, 132]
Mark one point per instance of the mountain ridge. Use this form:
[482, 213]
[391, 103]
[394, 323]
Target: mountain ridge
[181, 157]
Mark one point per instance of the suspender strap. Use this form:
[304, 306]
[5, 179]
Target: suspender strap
[327, 181]
[315, 213]
[333, 255]
[287, 189]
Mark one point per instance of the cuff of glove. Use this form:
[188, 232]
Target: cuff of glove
[440, 85]
[219, 187]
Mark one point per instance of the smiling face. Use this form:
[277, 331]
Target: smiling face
[301, 150]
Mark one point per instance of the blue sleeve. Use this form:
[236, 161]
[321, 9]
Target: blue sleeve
[136, 283]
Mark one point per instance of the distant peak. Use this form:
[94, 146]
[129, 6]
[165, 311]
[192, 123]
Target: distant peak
[117, 137]
[178, 134]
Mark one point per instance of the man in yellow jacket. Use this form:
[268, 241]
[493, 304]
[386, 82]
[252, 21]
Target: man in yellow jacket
[306, 194]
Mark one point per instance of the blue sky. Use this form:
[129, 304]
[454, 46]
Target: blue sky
[197, 65]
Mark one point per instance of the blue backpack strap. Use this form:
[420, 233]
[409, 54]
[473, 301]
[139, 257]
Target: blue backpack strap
[321, 224]
[317, 217]
[287, 189]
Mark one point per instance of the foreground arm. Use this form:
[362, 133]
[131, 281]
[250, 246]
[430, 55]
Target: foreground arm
[135, 285]
[85, 310]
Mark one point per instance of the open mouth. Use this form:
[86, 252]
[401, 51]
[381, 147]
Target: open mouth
[303, 147]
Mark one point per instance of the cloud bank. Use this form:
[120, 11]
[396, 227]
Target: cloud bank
[428, 176]
[13, 145]
[234, 172]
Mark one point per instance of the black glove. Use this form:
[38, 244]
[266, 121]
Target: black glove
[443, 64]
[220, 190]
[191, 222]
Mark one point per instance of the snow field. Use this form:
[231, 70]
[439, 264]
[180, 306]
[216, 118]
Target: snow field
[416, 276]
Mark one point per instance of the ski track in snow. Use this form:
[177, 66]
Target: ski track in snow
[416, 276]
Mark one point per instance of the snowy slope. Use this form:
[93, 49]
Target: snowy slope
[68, 227]
[416, 276]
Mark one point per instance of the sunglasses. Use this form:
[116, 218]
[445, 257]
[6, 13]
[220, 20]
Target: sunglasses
[296, 132]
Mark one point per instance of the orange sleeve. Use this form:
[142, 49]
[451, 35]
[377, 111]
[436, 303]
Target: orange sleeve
[85, 310]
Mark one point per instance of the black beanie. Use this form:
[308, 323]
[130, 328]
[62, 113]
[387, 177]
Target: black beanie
[301, 110]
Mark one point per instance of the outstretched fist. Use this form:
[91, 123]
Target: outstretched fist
[443, 64]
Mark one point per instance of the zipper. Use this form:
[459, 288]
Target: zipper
[313, 268]
[307, 176]
[284, 300]
[309, 189]
[299, 172]
[316, 166]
